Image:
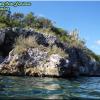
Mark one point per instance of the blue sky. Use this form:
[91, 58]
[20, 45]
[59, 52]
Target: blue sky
[84, 16]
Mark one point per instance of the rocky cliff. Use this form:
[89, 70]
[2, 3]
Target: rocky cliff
[47, 56]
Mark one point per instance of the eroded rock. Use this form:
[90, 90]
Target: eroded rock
[35, 62]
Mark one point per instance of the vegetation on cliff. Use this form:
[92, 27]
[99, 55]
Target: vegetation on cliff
[33, 45]
[39, 24]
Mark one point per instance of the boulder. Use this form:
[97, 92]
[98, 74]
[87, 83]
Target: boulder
[34, 62]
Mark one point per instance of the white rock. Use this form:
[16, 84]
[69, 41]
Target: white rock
[55, 58]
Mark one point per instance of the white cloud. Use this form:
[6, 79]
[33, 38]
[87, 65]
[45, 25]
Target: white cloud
[94, 47]
[98, 42]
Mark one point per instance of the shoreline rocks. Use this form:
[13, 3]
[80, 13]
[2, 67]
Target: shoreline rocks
[36, 62]
[33, 63]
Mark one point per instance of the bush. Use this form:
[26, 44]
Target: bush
[59, 31]
[45, 31]
[22, 44]
[55, 50]
[3, 25]
[91, 54]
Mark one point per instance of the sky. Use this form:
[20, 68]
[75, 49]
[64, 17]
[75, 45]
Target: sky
[83, 15]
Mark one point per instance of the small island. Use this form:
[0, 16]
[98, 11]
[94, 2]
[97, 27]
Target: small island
[31, 45]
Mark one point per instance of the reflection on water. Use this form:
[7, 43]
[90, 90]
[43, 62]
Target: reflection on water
[49, 88]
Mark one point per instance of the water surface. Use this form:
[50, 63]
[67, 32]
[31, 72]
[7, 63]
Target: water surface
[83, 88]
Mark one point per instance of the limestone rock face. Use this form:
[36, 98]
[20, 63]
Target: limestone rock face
[53, 66]
[81, 64]
[33, 63]
[31, 58]
[36, 62]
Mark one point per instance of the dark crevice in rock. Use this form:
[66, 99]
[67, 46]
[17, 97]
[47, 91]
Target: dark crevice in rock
[7, 45]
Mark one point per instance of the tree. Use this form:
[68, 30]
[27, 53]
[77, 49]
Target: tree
[29, 19]
[5, 17]
[59, 31]
[3, 13]
[42, 22]
[17, 19]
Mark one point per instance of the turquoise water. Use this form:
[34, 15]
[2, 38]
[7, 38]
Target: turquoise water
[83, 88]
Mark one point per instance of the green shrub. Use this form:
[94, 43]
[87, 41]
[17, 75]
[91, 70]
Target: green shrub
[91, 54]
[3, 25]
[59, 31]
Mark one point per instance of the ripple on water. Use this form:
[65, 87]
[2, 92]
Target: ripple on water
[50, 88]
